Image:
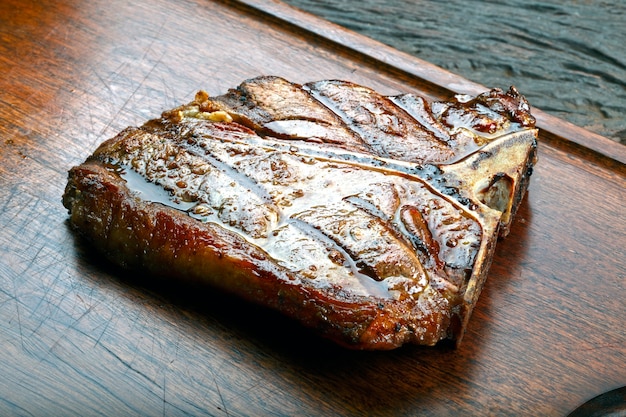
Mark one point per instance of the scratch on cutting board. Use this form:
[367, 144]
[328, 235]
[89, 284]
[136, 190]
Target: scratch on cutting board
[19, 318]
[71, 326]
[219, 394]
[128, 365]
[143, 58]
[607, 345]
[131, 96]
[164, 390]
[104, 330]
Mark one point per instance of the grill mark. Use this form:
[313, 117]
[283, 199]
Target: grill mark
[374, 287]
[285, 116]
[192, 146]
[376, 250]
[395, 137]
[397, 228]
[416, 108]
[342, 117]
[169, 164]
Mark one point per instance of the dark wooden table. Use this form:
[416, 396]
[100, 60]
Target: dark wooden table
[79, 337]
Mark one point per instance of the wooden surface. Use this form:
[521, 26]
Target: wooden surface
[79, 337]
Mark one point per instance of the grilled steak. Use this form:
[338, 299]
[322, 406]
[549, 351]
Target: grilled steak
[371, 219]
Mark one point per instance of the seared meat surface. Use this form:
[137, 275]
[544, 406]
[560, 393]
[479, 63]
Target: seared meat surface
[370, 219]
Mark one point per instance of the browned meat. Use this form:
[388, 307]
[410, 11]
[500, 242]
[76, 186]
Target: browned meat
[370, 219]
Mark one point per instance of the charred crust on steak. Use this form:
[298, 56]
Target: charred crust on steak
[369, 218]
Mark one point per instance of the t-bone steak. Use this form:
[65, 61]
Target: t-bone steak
[371, 219]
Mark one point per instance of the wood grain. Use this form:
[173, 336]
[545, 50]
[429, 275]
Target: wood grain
[80, 337]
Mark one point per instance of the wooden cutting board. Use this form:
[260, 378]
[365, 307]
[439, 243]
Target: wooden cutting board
[80, 337]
